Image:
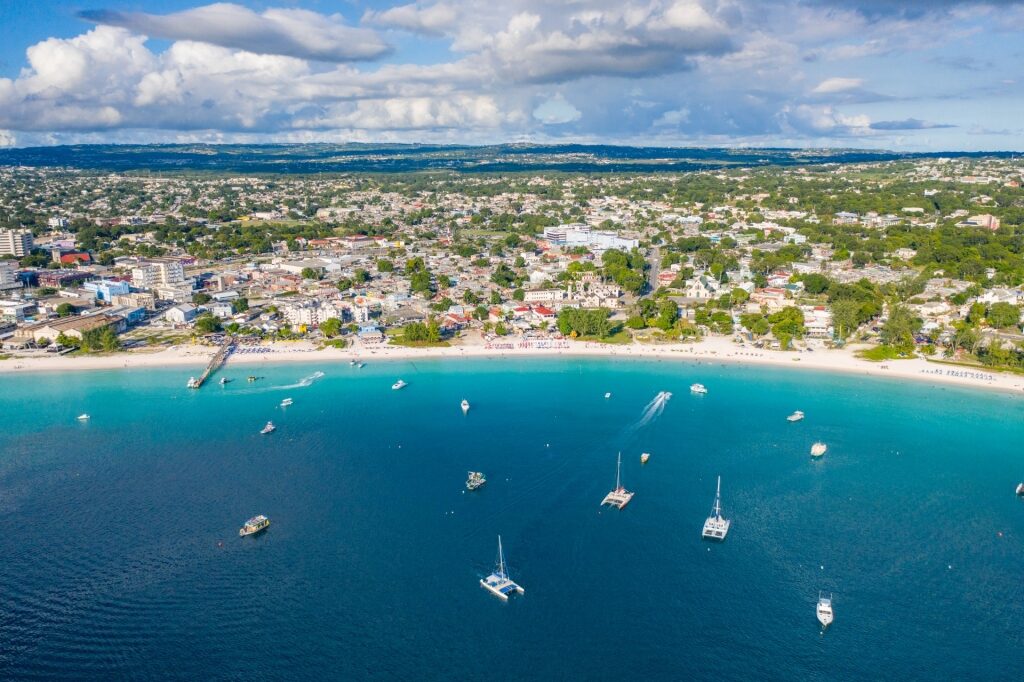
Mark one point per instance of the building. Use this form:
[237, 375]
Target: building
[73, 327]
[16, 242]
[989, 222]
[105, 290]
[311, 313]
[57, 222]
[16, 311]
[156, 272]
[8, 275]
[181, 314]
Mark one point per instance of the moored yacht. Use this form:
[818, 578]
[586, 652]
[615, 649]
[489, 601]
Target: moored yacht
[475, 480]
[498, 583]
[269, 428]
[644, 457]
[398, 385]
[818, 449]
[716, 527]
[83, 417]
[286, 402]
[825, 615]
[1020, 488]
[254, 525]
[698, 388]
[607, 395]
[619, 497]
[465, 406]
[795, 417]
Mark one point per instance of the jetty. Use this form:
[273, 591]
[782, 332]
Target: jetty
[218, 360]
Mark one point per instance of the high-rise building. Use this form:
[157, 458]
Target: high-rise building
[16, 242]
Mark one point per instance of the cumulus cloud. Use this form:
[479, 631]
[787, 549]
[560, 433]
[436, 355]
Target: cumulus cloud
[290, 32]
[556, 110]
[430, 20]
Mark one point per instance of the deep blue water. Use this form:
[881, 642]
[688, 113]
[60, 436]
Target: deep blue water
[119, 554]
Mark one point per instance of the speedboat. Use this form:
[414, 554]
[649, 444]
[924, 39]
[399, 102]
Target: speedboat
[84, 418]
[825, 615]
[795, 417]
[361, 365]
[286, 402]
[254, 525]
[465, 406]
[698, 388]
[269, 428]
[250, 378]
[475, 480]
[607, 395]
[818, 449]
[351, 363]
[1020, 486]
[398, 385]
[644, 457]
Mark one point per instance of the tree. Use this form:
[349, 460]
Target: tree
[344, 284]
[67, 341]
[469, 298]
[496, 298]
[384, 265]
[207, 324]
[330, 327]
[201, 298]
[42, 342]
[519, 295]
[739, 296]
[240, 304]
[1003, 315]
[898, 330]
[310, 273]
[845, 317]
[584, 322]
[815, 283]
[668, 313]
[65, 310]
[360, 276]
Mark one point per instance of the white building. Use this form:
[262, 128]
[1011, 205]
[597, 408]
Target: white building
[16, 242]
[166, 272]
[311, 313]
[8, 275]
[817, 322]
[57, 222]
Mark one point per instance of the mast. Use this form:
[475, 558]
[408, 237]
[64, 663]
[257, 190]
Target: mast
[501, 561]
[718, 499]
[618, 469]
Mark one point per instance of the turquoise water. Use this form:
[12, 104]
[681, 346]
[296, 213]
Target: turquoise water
[120, 554]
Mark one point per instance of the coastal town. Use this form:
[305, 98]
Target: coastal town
[890, 260]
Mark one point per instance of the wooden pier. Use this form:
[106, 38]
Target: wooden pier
[219, 358]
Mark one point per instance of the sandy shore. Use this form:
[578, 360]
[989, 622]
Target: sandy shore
[719, 349]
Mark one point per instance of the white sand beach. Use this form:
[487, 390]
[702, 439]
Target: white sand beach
[717, 349]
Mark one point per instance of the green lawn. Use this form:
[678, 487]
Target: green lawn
[882, 353]
[621, 338]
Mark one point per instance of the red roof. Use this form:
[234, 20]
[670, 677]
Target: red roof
[545, 311]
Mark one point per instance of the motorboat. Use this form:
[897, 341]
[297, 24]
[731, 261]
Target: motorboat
[286, 402]
[700, 389]
[795, 417]
[83, 417]
[818, 449]
[465, 406]
[269, 428]
[644, 457]
[475, 480]
[256, 524]
[398, 385]
[825, 615]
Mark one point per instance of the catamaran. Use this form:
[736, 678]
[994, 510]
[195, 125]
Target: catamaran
[465, 406]
[818, 449]
[475, 480]
[619, 497]
[716, 527]
[795, 417]
[825, 615]
[269, 428]
[398, 385]
[498, 583]
[698, 388]
[254, 525]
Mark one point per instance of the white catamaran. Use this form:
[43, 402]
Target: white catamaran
[619, 497]
[498, 583]
[716, 527]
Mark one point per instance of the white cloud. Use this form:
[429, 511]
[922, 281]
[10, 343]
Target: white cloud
[556, 111]
[430, 20]
[833, 85]
[289, 32]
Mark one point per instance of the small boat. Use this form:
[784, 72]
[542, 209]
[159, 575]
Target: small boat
[716, 527]
[795, 417]
[269, 428]
[286, 402]
[465, 406]
[498, 583]
[224, 380]
[475, 480]
[818, 449]
[254, 525]
[192, 383]
[351, 363]
[825, 615]
[83, 417]
[619, 497]
[398, 385]
[1020, 486]
[607, 395]
[698, 388]
[250, 378]
[644, 457]
[361, 365]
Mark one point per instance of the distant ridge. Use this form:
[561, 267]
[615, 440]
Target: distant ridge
[405, 158]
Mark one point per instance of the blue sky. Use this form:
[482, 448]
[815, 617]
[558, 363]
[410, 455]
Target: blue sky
[911, 75]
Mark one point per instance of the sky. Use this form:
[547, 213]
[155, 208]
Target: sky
[916, 75]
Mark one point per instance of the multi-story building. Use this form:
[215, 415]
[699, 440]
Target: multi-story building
[16, 242]
[8, 277]
[156, 272]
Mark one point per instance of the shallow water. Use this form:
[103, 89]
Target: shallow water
[121, 556]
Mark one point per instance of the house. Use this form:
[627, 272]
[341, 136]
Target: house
[73, 327]
[183, 313]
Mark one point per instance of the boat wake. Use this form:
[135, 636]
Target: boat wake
[301, 383]
[653, 409]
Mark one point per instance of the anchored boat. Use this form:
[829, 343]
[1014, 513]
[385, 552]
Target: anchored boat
[465, 406]
[644, 457]
[818, 449]
[269, 428]
[498, 583]
[825, 616]
[475, 480]
[286, 402]
[619, 497]
[254, 525]
[795, 417]
[700, 389]
[716, 527]
[398, 385]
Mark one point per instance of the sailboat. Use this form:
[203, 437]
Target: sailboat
[619, 497]
[715, 527]
[498, 583]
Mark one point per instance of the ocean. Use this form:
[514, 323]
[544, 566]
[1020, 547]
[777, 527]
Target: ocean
[121, 557]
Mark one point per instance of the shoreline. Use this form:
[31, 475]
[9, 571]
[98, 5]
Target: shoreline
[720, 350]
